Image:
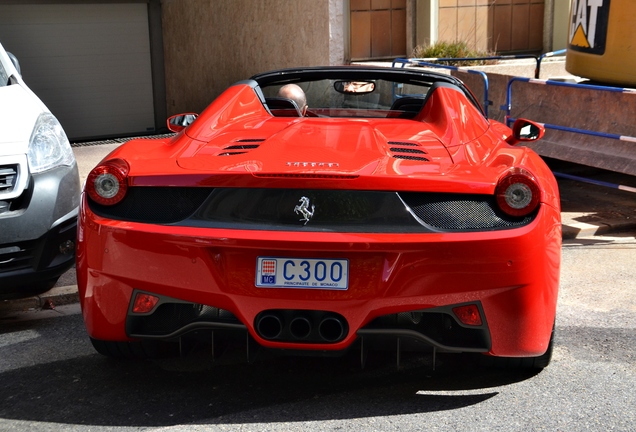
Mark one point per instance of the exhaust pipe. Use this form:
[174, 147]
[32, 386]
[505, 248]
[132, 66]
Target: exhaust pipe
[331, 329]
[269, 326]
[300, 328]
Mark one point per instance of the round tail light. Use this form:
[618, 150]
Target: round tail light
[107, 183]
[518, 194]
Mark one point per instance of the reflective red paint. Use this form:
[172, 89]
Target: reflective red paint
[512, 274]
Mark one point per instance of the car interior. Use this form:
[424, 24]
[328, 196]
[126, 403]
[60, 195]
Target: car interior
[326, 98]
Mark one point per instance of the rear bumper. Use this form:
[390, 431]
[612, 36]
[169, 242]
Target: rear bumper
[512, 275]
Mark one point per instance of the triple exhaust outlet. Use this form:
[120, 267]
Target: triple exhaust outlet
[301, 326]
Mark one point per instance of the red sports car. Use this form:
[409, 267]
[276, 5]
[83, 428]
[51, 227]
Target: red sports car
[317, 209]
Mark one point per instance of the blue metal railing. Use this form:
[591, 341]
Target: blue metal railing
[508, 107]
[537, 71]
[432, 62]
[429, 62]
[595, 182]
[510, 120]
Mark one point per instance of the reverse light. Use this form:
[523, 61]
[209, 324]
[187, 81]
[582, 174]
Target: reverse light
[468, 315]
[107, 183]
[144, 303]
[518, 194]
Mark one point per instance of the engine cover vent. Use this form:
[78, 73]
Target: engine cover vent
[237, 149]
[406, 150]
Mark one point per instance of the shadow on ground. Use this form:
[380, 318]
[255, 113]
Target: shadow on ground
[93, 390]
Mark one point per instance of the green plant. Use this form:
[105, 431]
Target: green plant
[444, 49]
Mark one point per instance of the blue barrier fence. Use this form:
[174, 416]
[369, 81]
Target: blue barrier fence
[595, 182]
[508, 107]
[432, 62]
[510, 120]
[419, 62]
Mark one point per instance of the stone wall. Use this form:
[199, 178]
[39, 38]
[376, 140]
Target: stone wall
[210, 44]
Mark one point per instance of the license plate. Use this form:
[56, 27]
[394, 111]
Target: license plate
[331, 274]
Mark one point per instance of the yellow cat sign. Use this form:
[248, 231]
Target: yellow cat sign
[588, 26]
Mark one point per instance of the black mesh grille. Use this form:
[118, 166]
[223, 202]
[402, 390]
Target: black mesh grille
[154, 204]
[458, 212]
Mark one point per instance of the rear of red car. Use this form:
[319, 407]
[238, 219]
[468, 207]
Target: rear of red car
[314, 233]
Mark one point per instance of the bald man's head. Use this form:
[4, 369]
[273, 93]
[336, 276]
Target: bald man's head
[295, 93]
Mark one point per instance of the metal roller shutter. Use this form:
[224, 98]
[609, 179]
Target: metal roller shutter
[89, 63]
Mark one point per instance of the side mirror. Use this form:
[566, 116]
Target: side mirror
[179, 122]
[524, 130]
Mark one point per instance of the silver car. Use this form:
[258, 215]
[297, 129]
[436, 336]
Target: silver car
[39, 190]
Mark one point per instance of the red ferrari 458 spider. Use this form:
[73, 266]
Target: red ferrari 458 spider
[320, 209]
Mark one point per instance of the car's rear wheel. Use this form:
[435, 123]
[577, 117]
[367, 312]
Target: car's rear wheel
[135, 350]
[536, 363]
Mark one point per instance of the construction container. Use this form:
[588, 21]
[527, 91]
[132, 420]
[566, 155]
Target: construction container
[602, 41]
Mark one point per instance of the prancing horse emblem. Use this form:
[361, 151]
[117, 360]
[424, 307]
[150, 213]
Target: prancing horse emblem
[303, 209]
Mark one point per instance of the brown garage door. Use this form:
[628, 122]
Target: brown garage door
[517, 25]
[378, 29]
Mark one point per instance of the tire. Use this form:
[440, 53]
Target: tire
[527, 363]
[135, 350]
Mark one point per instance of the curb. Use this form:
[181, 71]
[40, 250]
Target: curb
[573, 230]
[57, 296]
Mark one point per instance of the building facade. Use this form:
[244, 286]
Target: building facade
[120, 67]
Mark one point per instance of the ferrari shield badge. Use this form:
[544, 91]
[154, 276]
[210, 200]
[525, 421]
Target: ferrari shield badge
[303, 209]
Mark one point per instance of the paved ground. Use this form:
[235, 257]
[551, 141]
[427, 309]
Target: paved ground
[589, 210]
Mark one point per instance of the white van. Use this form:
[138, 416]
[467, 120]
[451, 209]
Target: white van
[39, 190]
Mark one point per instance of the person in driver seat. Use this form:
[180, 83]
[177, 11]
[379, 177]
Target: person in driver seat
[295, 93]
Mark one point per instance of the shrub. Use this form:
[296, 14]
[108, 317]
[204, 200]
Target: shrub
[443, 49]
